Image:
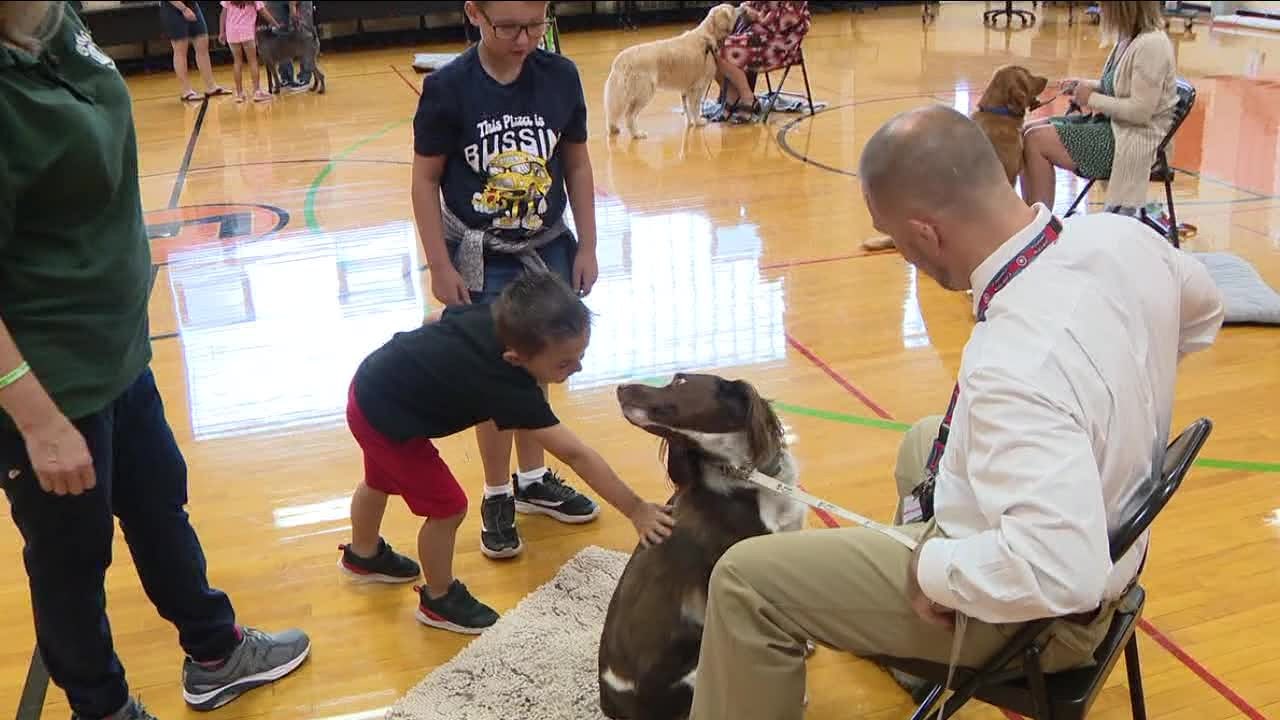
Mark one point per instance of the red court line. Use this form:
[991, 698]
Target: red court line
[840, 379]
[1201, 671]
[412, 87]
[1163, 640]
[814, 261]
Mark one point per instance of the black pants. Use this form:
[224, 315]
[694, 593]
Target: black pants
[141, 479]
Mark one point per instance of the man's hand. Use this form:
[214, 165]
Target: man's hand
[926, 609]
[585, 272]
[448, 286]
[60, 456]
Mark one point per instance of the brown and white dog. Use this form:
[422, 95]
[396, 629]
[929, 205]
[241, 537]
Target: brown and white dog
[716, 432]
[686, 63]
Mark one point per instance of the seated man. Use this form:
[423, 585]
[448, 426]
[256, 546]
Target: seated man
[1065, 393]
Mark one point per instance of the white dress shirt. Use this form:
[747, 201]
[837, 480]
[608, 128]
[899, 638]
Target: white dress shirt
[1066, 397]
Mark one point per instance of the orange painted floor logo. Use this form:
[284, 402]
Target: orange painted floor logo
[196, 227]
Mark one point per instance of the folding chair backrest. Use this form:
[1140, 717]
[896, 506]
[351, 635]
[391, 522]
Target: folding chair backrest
[1186, 100]
[1165, 478]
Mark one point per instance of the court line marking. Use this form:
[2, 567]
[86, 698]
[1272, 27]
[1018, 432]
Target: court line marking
[34, 689]
[309, 204]
[840, 380]
[181, 180]
[1196, 667]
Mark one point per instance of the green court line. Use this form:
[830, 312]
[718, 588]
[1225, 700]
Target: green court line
[879, 424]
[309, 205]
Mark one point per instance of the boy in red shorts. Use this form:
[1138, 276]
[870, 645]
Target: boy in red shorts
[478, 363]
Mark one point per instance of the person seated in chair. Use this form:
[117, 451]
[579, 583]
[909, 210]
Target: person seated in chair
[1065, 391]
[766, 39]
[1133, 107]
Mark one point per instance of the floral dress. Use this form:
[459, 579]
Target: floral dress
[1088, 138]
[771, 43]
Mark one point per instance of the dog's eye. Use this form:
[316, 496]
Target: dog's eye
[679, 380]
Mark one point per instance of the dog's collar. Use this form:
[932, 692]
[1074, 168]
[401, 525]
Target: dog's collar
[743, 472]
[999, 111]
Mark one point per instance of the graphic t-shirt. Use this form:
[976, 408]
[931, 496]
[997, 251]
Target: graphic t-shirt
[502, 172]
[442, 378]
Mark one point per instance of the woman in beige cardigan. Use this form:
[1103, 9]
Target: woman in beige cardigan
[1132, 104]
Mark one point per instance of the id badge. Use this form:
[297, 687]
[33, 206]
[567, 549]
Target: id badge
[911, 510]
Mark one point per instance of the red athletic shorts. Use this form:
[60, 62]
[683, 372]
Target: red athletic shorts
[412, 469]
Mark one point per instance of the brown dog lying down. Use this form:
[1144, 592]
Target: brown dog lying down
[1002, 109]
[716, 432]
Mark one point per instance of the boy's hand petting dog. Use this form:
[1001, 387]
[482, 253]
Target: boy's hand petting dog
[653, 523]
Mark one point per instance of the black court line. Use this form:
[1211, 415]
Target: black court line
[31, 703]
[186, 158]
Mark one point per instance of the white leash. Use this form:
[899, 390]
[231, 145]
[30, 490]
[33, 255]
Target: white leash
[816, 503]
[792, 491]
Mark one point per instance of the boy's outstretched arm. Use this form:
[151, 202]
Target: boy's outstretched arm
[653, 522]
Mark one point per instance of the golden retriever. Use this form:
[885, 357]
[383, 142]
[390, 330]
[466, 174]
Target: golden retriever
[1002, 109]
[686, 63]
[1013, 91]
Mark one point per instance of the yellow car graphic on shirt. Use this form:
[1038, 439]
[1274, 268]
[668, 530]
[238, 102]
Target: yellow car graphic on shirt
[516, 190]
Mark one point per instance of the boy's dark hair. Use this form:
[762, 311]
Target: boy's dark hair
[536, 309]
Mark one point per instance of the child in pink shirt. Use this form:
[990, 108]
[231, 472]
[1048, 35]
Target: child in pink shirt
[239, 23]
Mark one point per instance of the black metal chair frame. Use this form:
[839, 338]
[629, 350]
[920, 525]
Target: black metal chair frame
[1026, 16]
[1162, 170]
[1028, 690]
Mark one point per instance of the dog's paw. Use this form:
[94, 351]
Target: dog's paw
[700, 121]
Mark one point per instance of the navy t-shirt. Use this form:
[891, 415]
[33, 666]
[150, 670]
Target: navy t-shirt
[502, 171]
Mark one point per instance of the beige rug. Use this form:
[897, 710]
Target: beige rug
[537, 663]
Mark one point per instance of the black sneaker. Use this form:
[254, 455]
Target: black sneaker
[499, 537]
[551, 496]
[457, 610]
[386, 566]
[133, 710]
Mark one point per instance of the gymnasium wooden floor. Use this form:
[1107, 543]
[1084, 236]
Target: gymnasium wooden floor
[720, 248]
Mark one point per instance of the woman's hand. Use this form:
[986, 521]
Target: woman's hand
[1082, 93]
[59, 456]
[1069, 85]
[188, 14]
[653, 523]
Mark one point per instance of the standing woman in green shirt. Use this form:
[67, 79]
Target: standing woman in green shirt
[83, 435]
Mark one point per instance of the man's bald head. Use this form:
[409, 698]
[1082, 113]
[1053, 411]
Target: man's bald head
[932, 158]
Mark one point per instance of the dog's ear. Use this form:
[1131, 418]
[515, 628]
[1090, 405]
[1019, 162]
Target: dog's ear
[682, 462]
[764, 431]
[1018, 92]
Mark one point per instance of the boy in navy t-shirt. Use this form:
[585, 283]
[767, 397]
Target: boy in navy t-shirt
[500, 137]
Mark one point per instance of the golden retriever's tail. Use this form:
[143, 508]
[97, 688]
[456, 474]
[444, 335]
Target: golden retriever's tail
[614, 102]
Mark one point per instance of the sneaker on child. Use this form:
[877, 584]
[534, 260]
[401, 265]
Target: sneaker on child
[550, 495]
[386, 565]
[457, 610]
[499, 537]
[133, 710]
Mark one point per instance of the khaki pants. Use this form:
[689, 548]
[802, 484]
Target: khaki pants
[845, 589]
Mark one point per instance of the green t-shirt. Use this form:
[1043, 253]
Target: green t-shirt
[75, 264]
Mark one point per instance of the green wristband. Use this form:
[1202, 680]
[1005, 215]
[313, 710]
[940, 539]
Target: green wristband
[14, 375]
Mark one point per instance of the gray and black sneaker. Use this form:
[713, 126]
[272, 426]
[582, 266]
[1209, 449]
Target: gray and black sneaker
[259, 659]
[386, 566]
[499, 537]
[133, 710]
[551, 496]
[457, 611]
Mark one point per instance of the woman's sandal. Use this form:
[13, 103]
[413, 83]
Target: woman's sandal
[190, 96]
[218, 90]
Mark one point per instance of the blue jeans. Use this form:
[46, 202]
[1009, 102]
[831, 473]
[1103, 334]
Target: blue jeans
[500, 268]
[142, 480]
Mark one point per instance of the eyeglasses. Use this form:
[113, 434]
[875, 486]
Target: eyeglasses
[511, 31]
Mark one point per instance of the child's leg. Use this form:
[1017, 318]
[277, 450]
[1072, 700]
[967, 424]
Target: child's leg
[495, 455]
[367, 508]
[436, 541]
[251, 51]
[499, 537]
[237, 55]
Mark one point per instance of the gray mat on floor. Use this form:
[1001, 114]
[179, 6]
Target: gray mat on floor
[1246, 297]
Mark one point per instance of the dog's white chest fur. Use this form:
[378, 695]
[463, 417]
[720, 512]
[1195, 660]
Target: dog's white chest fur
[778, 513]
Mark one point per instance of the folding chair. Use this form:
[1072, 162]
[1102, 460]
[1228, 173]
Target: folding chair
[1161, 171]
[795, 57]
[1028, 690]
